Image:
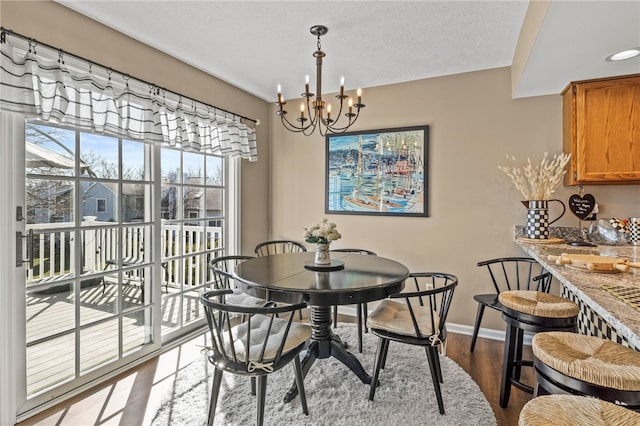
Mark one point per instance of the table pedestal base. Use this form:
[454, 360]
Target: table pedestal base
[325, 344]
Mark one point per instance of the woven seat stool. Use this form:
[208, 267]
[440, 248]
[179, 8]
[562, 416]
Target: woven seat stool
[532, 311]
[574, 410]
[586, 365]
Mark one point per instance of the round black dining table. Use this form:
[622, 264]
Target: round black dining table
[351, 278]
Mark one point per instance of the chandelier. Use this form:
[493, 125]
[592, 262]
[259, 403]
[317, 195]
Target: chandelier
[319, 111]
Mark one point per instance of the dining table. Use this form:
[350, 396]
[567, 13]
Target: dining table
[350, 278]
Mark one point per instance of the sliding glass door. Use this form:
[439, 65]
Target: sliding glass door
[193, 231]
[117, 240]
[89, 247]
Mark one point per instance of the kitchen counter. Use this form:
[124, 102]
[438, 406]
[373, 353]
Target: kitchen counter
[602, 313]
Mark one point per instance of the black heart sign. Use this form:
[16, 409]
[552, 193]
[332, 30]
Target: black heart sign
[582, 206]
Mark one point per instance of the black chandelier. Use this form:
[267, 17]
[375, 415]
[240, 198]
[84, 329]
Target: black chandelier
[320, 111]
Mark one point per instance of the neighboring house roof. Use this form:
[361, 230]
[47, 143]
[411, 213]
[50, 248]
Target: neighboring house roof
[38, 156]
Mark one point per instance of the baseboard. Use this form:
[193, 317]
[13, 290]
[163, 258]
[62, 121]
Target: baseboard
[487, 333]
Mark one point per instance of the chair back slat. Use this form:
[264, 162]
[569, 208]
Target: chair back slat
[433, 291]
[282, 343]
[266, 341]
[412, 315]
[269, 248]
[222, 269]
[216, 339]
[513, 273]
[232, 348]
[544, 281]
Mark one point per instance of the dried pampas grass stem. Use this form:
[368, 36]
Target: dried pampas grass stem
[541, 181]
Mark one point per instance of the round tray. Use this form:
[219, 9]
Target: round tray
[335, 265]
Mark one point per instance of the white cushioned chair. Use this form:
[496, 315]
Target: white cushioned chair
[415, 316]
[253, 341]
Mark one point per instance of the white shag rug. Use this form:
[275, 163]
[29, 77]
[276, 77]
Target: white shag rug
[335, 396]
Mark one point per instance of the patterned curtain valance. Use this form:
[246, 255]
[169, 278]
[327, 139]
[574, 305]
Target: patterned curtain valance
[53, 86]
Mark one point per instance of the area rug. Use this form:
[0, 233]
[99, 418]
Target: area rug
[335, 396]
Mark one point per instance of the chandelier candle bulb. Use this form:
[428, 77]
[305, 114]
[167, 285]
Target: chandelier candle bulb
[280, 95]
[359, 92]
[342, 87]
[306, 85]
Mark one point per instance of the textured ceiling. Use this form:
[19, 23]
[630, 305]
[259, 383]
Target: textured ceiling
[259, 44]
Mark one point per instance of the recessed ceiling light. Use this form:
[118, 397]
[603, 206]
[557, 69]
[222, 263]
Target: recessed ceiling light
[623, 55]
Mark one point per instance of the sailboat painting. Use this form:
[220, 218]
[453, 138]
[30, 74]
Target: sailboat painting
[378, 172]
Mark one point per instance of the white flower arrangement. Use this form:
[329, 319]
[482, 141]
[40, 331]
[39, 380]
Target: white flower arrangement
[541, 181]
[322, 233]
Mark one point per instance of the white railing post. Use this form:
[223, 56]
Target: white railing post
[90, 245]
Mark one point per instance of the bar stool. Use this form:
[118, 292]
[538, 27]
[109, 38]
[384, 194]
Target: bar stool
[533, 311]
[587, 365]
[573, 410]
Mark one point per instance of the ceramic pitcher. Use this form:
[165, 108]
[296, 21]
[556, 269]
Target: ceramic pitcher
[538, 218]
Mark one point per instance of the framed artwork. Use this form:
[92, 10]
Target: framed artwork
[378, 172]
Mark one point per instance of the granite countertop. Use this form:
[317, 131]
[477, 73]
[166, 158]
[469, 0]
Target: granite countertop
[586, 285]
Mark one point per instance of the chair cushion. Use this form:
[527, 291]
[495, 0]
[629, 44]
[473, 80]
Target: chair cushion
[538, 303]
[243, 299]
[573, 410]
[394, 317]
[590, 359]
[298, 334]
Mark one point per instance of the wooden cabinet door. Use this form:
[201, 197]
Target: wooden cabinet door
[607, 131]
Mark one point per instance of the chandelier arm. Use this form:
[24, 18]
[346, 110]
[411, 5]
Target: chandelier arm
[290, 126]
[352, 120]
[339, 114]
[312, 118]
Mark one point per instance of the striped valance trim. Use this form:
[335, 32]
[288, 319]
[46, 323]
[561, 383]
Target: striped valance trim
[56, 93]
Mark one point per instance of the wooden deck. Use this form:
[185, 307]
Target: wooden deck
[53, 313]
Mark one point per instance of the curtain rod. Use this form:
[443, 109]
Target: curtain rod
[5, 31]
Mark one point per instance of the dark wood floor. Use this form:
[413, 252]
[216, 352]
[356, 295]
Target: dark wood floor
[114, 403]
[484, 366]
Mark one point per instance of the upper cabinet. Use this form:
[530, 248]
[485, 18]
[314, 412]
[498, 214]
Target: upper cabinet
[601, 130]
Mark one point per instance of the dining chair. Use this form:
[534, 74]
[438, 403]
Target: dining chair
[222, 269]
[508, 273]
[361, 308]
[268, 248]
[253, 341]
[416, 316]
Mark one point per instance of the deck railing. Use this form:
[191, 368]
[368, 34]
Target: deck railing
[183, 248]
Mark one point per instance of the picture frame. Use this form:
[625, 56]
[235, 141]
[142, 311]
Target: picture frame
[378, 172]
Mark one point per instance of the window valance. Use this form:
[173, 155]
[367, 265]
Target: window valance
[63, 89]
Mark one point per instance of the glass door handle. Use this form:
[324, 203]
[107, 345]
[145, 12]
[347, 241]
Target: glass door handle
[19, 238]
